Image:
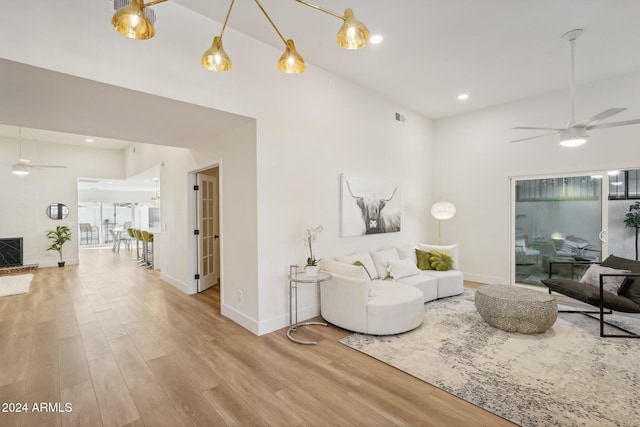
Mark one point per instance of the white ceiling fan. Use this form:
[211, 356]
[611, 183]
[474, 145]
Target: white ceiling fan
[576, 134]
[23, 165]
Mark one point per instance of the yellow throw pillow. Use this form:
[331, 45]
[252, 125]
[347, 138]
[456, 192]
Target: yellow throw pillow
[440, 261]
[423, 259]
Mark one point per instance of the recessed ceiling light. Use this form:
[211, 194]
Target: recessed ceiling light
[463, 96]
[88, 140]
[375, 39]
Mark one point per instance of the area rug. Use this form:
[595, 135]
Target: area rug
[15, 285]
[567, 376]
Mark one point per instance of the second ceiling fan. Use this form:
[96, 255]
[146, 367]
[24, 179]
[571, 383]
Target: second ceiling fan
[575, 134]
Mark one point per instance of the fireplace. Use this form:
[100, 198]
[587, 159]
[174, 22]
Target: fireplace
[11, 252]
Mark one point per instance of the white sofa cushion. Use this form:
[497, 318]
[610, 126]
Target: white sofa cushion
[449, 282]
[381, 260]
[402, 268]
[408, 252]
[349, 270]
[364, 258]
[450, 249]
[395, 309]
[427, 284]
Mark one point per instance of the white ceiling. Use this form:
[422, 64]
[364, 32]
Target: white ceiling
[498, 51]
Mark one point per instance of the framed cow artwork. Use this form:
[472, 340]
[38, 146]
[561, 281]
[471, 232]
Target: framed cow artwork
[369, 206]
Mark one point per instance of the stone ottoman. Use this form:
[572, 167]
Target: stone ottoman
[516, 309]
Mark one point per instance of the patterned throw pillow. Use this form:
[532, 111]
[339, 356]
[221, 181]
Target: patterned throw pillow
[610, 283]
[440, 261]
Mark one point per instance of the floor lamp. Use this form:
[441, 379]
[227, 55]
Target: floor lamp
[442, 211]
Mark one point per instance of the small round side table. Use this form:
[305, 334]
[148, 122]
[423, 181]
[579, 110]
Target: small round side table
[296, 277]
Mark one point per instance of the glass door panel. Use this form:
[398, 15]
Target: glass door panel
[556, 219]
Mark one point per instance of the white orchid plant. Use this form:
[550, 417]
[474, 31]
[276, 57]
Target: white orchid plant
[310, 236]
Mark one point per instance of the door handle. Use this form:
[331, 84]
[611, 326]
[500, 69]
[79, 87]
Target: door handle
[603, 236]
[216, 237]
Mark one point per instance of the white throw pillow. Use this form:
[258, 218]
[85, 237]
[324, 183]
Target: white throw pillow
[364, 258]
[408, 252]
[452, 250]
[402, 268]
[610, 283]
[381, 260]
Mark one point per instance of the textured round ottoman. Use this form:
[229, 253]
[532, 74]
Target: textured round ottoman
[516, 309]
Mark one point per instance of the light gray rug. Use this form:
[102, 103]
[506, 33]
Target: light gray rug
[15, 285]
[566, 376]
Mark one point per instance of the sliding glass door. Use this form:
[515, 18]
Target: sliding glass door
[556, 219]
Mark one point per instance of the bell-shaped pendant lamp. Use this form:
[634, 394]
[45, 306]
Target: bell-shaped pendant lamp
[291, 62]
[353, 34]
[215, 58]
[132, 22]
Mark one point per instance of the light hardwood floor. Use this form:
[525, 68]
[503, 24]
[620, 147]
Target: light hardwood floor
[125, 349]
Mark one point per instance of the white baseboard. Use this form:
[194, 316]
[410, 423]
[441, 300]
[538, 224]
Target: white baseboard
[240, 318]
[481, 278]
[45, 264]
[174, 282]
[282, 321]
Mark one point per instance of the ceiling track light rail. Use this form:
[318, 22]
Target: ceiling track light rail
[132, 22]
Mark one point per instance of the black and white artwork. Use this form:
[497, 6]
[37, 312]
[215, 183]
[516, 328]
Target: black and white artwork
[369, 206]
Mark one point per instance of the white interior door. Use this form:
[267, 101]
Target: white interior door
[208, 226]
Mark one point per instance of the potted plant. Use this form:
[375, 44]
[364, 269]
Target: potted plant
[632, 219]
[58, 237]
[310, 236]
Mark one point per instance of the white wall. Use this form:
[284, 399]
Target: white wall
[309, 129]
[476, 160]
[24, 199]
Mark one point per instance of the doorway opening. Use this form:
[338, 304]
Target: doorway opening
[207, 233]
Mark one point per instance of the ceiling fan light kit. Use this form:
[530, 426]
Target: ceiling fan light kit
[20, 169]
[575, 135]
[23, 165]
[131, 21]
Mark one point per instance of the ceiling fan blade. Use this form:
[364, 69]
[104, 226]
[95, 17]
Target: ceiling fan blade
[536, 128]
[47, 166]
[602, 116]
[615, 124]
[533, 137]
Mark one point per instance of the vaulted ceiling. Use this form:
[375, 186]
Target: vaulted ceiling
[497, 51]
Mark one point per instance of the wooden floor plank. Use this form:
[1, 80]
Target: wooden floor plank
[84, 405]
[154, 406]
[117, 407]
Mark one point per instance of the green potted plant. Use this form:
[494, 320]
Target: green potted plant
[632, 219]
[58, 237]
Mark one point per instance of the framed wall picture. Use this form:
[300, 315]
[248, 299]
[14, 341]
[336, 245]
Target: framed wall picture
[369, 206]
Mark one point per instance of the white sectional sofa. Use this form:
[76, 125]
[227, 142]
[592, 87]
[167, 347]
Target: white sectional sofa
[386, 293]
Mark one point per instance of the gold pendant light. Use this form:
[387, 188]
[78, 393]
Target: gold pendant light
[291, 62]
[132, 22]
[353, 34]
[215, 58]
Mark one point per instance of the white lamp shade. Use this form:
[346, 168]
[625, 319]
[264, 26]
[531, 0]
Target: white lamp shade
[443, 210]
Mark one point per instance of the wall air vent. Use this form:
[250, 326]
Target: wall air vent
[151, 14]
[400, 117]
